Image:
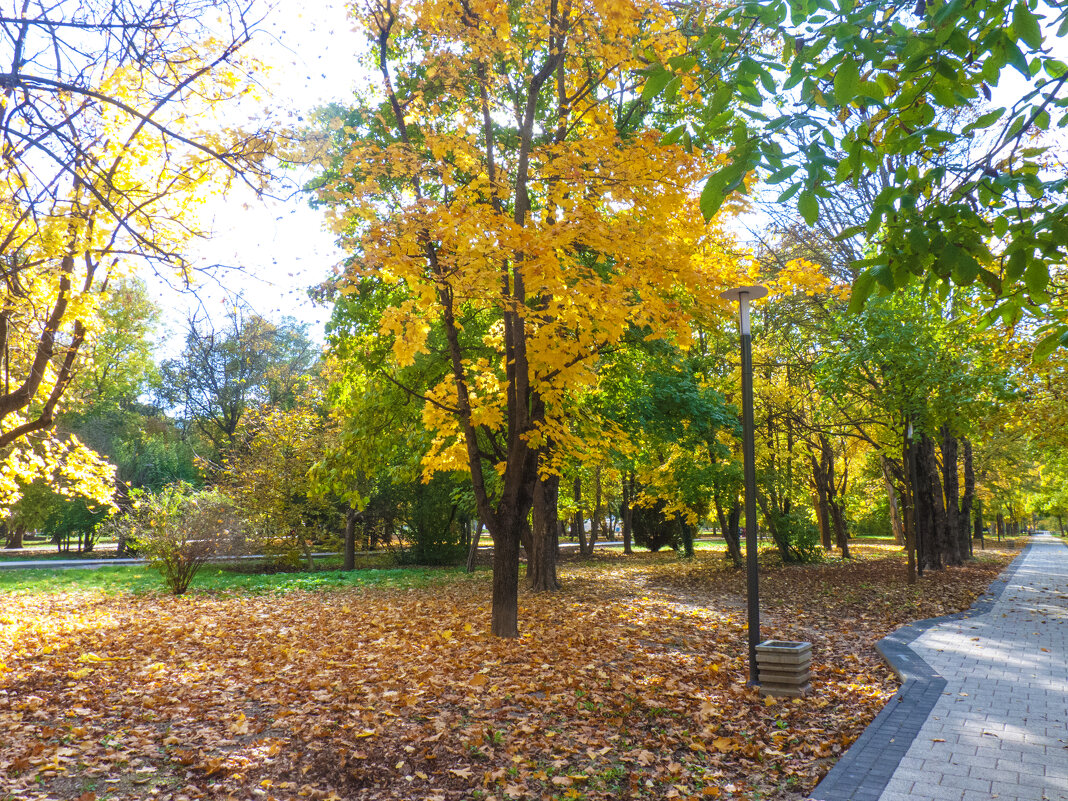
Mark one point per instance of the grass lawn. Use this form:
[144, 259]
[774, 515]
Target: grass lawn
[212, 579]
[628, 683]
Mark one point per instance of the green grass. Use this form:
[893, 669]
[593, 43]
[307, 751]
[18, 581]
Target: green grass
[213, 579]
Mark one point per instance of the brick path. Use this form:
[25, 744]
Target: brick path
[983, 710]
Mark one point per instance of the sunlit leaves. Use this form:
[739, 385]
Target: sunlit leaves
[110, 151]
[922, 98]
[520, 226]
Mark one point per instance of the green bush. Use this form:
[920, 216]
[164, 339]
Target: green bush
[796, 536]
[654, 530]
[434, 520]
[179, 530]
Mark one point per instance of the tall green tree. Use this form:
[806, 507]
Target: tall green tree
[222, 372]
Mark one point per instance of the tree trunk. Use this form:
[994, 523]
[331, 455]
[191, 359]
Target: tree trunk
[823, 471]
[15, 535]
[511, 520]
[728, 526]
[472, 547]
[941, 541]
[504, 620]
[822, 513]
[951, 489]
[687, 538]
[578, 522]
[965, 520]
[351, 516]
[896, 524]
[911, 516]
[541, 558]
[1060, 523]
[928, 555]
[841, 534]
[598, 510]
[627, 513]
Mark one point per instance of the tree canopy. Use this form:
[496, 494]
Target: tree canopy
[111, 138]
[951, 104]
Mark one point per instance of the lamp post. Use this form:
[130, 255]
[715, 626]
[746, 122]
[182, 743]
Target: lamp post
[743, 295]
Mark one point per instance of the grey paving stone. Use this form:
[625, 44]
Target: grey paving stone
[1010, 683]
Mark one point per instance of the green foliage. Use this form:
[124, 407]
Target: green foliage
[796, 536]
[871, 520]
[119, 365]
[75, 518]
[435, 520]
[677, 426]
[654, 530]
[145, 446]
[251, 362]
[925, 365]
[179, 530]
[889, 89]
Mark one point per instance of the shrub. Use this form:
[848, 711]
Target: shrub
[653, 529]
[178, 530]
[434, 518]
[796, 536]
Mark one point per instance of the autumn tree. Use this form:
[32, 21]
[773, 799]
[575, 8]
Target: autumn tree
[504, 170]
[110, 143]
[265, 474]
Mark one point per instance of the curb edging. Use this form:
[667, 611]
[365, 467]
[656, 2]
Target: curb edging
[864, 771]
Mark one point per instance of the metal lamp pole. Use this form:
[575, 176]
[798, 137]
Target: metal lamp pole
[743, 295]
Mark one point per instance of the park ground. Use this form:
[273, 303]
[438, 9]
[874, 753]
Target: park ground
[384, 684]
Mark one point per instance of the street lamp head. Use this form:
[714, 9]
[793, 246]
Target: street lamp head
[751, 292]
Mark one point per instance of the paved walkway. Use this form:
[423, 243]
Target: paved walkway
[983, 710]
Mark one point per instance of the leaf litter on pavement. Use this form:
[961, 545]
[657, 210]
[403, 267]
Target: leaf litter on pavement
[629, 683]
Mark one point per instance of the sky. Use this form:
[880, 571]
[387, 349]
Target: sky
[274, 249]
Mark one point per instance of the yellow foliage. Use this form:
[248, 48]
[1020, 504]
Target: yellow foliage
[573, 240]
[132, 175]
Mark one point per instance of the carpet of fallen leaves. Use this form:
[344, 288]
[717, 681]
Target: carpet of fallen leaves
[629, 683]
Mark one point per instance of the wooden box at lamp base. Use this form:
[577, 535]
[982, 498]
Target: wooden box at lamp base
[785, 667]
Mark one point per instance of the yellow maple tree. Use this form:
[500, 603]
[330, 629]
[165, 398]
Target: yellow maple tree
[507, 183]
